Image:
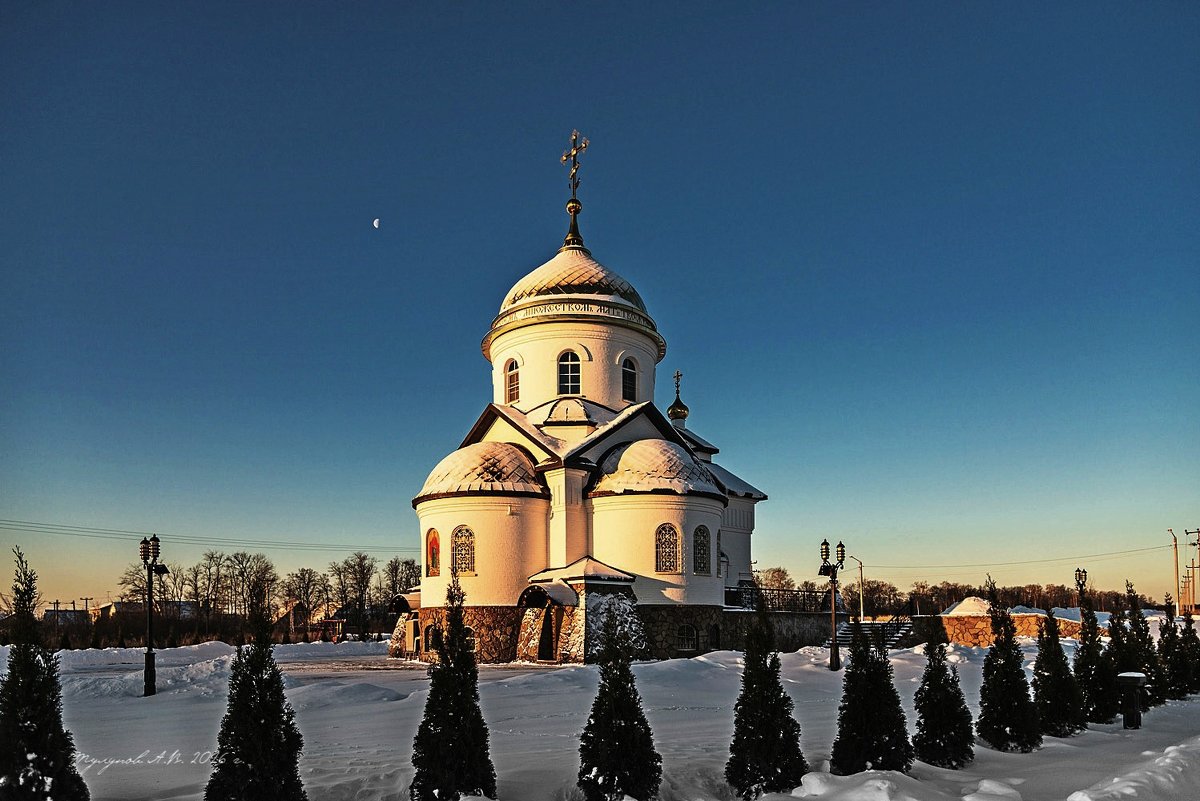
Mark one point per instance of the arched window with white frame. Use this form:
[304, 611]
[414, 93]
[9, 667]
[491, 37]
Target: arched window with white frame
[512, 381]
[629, 379]
[463, 551]
[701, 552]
[666, 550]
[569, 374]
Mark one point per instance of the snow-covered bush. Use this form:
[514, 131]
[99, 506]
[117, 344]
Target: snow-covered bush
[622, 610]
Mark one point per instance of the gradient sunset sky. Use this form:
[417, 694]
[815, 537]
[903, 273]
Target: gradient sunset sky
[931, 270]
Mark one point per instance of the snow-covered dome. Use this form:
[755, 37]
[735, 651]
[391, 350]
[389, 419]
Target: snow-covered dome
[654, 465]
[573, 271]
[493, 468]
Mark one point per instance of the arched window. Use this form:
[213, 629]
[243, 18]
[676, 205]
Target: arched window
[463, 552]
[666, 549]
[469, 633]
[628, 380]
[433, 554]
[512, 382]
[433, 638]
[701, 552]
[568, 374]
[686, 638]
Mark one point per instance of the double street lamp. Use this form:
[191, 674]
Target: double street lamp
[831, 569]
[1080, 583]
[149, 551]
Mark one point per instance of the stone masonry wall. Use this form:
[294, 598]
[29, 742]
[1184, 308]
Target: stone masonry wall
[977, 630]
[793, 630]
[495, 628]
[662, 629]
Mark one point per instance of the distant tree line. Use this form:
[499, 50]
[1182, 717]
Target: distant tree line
[884, 598]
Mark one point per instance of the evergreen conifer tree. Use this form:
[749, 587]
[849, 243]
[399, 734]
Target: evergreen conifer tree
[764, 756]
[1008, 717]
[1061, 712]
[258, 747]
[37, 753]
[1145, 654]
[1171, 655]
[616, 752]
[1094, 670]
[1189, 647]
[450, 752]
[872, 733]
[945, 736]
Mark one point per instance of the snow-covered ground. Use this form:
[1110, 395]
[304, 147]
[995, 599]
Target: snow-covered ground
[359, 711]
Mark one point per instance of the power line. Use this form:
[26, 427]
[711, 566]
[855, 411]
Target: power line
[1023, 562]
[92, 532]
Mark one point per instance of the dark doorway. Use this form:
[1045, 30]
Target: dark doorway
[546, 640]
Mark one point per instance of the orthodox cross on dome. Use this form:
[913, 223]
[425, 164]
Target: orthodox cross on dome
[578, 144]
[678, 410]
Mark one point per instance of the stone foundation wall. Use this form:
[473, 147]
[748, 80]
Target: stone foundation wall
[977, 630]
[496, 629]
[793, 630]
[663, 622]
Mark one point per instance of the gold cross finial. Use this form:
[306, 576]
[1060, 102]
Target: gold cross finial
[678, 375]
[578, 144]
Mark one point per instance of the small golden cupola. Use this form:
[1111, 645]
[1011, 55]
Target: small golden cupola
[678, 410]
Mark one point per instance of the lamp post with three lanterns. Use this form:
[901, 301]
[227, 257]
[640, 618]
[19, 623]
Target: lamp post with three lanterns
[831, 569]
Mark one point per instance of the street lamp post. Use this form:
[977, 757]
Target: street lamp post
[149, 551]
[1080, 584]
[861, 588]
[831, 569]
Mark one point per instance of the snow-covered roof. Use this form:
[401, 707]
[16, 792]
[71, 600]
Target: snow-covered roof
[972, 606]
[654, 465]
[697, 442]
[587, 569]
[736, 486]
[1027, 610]
[573, 271]
[570, 410]
[496, 468]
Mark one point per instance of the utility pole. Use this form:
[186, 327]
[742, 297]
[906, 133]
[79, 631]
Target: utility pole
[861, 589]
[1175, 564]
[1196, 544]
[56, 603]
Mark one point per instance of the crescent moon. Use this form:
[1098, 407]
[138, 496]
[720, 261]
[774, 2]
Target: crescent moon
[376, 223]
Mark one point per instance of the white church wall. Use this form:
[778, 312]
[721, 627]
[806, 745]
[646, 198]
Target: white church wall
[623, 535]
[510, 545]
[601, 348]
[736, 529]
[569, 521]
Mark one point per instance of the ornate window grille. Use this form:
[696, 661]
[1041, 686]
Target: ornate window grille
[463, 550]
[628, 380]
[686, 638]
[512, 382]
[666, 549]
[719, 554]
[433, 554]
[568, 374]
[701, 552]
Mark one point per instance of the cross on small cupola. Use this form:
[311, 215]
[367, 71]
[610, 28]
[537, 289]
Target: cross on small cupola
[578, 144]
[678, 410]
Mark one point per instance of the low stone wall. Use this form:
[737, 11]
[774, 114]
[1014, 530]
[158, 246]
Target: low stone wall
[977, 629]
[793, 630]
[663, 625]
[495, 627]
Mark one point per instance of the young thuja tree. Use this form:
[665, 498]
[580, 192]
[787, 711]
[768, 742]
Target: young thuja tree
[616, 752]
[450, 755]
[1145, 654]
[1189, 647]
[1094, 670]
[764, 756]
[37, 753]
[259, 745]
[1008, 718]
[945, 736]
[1059, 702]
[1171, 655]
[872, 732]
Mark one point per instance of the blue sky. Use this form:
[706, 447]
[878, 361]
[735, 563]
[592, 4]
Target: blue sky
[930, 270]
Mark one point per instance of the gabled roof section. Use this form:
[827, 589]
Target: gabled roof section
[545, 448]
[585, 569]
[698, 444]
[736, 486]
[570, 409]
[585, 452]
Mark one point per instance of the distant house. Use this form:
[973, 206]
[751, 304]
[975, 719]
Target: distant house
[66, 617]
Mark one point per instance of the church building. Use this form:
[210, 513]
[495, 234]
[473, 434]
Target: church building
[572, 485]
